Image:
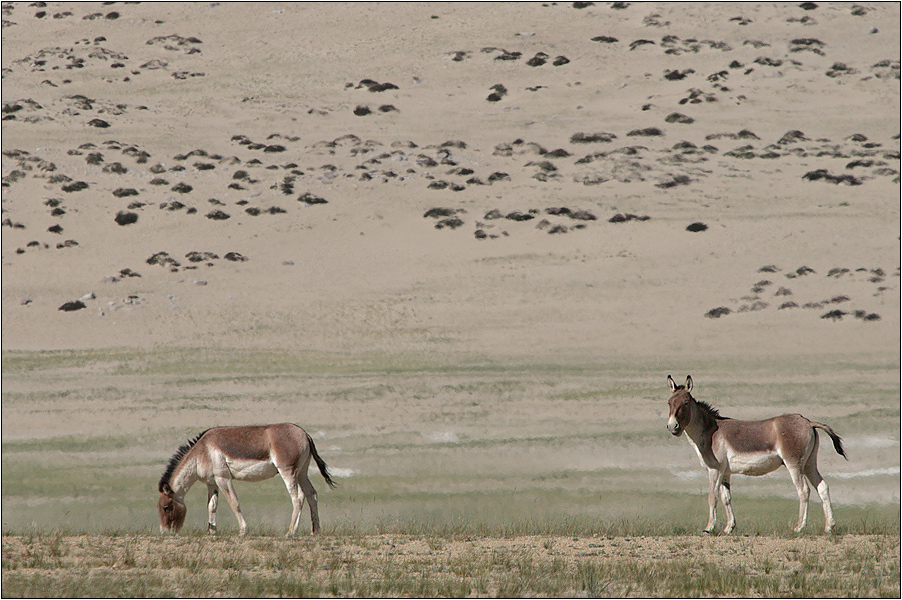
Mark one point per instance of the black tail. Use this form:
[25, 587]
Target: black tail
[837, 441]
[323, 469]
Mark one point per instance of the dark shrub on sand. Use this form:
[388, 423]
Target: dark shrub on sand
[126, 218]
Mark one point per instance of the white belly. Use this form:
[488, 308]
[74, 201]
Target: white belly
[754, 463]
[251, 470]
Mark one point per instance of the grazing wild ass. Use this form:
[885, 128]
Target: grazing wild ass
[248, 453]
[726, 446]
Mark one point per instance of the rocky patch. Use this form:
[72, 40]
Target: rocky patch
[73, 306]
[125, 218]
[866, 280]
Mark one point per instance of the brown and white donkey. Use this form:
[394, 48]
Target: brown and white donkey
[726, 446]
[248, 453]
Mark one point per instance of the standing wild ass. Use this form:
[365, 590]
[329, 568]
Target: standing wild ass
[248, 453]
[726, 446]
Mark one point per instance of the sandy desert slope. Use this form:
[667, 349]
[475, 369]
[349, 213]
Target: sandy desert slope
[500, 179]
[451, 240]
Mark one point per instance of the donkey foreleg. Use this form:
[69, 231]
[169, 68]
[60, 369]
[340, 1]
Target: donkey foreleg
[212, 503]
[715, 478]
[225, 484]
[727, 496]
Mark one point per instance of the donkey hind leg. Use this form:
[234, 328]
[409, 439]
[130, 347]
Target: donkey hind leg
[212, 503]
[225, 484]
[310, 493]
[727, 496]
[715, 478]
[297, 498]
[823, 491]
[798, 478]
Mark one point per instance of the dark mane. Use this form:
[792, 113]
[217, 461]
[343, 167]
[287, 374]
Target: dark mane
[177, 458]
[710, 410]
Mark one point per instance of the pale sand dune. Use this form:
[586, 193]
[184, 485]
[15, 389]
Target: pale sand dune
[779, 131]
[369, 271]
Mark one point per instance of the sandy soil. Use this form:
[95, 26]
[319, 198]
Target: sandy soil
[775, 126]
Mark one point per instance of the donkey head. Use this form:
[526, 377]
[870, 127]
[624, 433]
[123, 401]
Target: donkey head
[172, 510]
[680, 402]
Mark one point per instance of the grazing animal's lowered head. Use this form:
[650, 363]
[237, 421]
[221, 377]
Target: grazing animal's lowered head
[221, 455]
[172, 510]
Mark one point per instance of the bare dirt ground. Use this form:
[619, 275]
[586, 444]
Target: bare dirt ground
[390, 565]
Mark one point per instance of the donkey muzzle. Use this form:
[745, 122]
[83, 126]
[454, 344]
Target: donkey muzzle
[673, 426]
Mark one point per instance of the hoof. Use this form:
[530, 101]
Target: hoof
[708, 532]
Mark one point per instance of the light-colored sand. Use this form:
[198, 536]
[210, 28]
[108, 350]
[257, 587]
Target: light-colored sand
[791, 160]
[369, 271]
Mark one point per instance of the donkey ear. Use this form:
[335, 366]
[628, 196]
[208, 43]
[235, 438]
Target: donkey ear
[672, 383]
[166, 489]
[688, 383]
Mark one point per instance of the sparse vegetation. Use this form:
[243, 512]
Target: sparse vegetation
[41, 565]
[503, 479]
